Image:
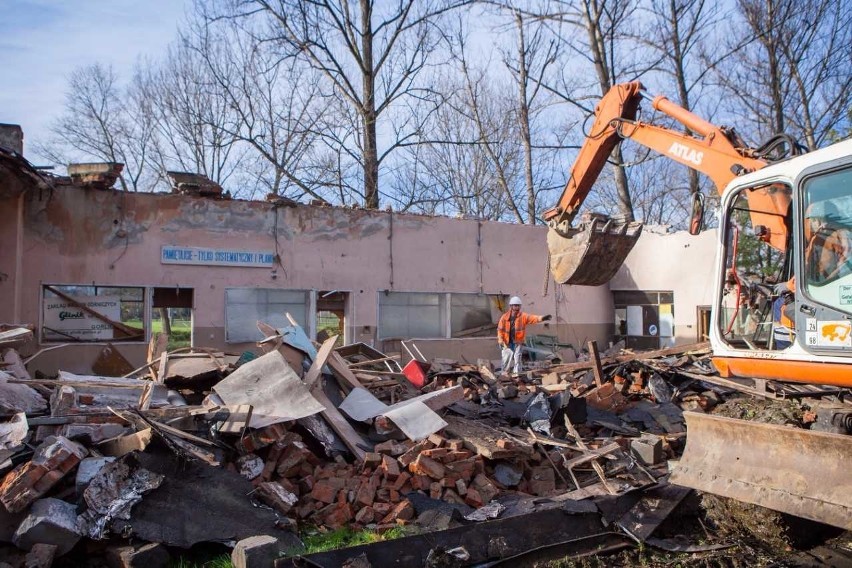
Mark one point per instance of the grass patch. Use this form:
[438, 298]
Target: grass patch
[345, 537]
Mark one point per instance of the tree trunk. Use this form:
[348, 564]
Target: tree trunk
[524, 121]
[368, 111]
[167, 324]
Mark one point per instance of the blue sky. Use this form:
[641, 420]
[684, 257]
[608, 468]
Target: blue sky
[42, 41]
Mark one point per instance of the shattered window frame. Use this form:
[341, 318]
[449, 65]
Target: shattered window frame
[269, 305]
[133, 312]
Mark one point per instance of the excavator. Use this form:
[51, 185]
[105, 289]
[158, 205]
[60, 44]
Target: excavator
[782, 306]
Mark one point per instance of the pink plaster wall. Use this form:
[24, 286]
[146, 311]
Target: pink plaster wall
[77, 236]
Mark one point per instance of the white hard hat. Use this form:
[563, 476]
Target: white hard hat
[515, 301]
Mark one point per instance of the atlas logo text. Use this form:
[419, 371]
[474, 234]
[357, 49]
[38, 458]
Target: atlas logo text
[686, 153]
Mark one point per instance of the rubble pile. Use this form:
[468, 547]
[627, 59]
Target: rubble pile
[313, 435]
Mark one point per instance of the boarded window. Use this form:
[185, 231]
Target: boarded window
[244, 307]
[72, 313]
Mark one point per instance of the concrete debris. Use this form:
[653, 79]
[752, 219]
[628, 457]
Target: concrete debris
[328, 438]
[49, 521]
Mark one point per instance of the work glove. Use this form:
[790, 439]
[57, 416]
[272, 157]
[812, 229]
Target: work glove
[780, 288]
[548, 317]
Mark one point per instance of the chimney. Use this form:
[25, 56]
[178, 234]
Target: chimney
[12, 138]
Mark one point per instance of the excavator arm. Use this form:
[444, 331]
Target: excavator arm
[591, 253]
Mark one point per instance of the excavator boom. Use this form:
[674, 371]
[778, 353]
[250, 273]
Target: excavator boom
[591, 252]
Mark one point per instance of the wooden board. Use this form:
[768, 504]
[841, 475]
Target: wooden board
[481, 439]
[315, 371]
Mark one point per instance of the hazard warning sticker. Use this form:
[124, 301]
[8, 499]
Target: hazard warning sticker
[834, 334]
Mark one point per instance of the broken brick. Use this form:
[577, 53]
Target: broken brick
[404, 511]
[461, 487]
[366, 493]
[437, 439]
[293, 458]
[339, 516]
[390, 467]
[276, 496]
[55, 457]
[401, 480]
[365, 516]
[473, 498]
[372, 460]
[408, 457]
[435, 490]
[455, 445]
[391, 447]
[324, 491]
[486, 489]
[424, 465]
[450, 496]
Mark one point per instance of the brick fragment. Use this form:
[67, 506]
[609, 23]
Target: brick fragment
[324, 491]
[461, 487]
[339, 516]
[408, 457]
[267, 436]
[404, 511]
[401, 481]
[437, 439]
[276, 496]
[55, 457]
[366, 493]
[365, 516]
[436, 490]
[486, 489]
[451, 496]
[391, 448]
[473, 498]
[455, 445]
[390, 467]
[435, 453]
[372, 460]
[424, 465]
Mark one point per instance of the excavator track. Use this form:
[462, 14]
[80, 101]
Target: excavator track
[800, 472]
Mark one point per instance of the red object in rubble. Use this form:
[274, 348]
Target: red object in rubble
[415, 371]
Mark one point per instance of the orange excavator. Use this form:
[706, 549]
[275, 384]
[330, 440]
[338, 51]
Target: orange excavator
[782, 306]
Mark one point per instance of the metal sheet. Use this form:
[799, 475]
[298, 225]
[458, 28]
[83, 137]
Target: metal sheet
[272, 388]
[800, 472]
[413, 417]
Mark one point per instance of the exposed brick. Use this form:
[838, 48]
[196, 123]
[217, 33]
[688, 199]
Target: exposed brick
[401, 480]
[408, 457]
[372, 460]
[473, 498]
[391, 447]
[339, 516]
[458, 456]
[267, 436]
[292, 460]
[435, 453]
[390, 467]
[464, 469]
[451, 496]
[276, 496]
[324, 491]
[404, 511]
[486, 489]
[366, 493]
[424, 465]
[365, 516]
[382, 509]
[29, 481]
[437, 439]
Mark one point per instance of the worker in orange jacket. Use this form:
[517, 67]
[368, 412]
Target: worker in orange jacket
[511, 332]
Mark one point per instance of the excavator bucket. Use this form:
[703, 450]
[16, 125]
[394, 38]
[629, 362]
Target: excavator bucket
[801, 472]
[591, 253]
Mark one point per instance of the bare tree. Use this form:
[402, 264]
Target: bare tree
[371, 52]
[101, 123]
[793, 73]
[194, 122]
[279, 109]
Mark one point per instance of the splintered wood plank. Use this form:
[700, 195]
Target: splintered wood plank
[339, 424]
[158, 345]
[341, 371]
[595, 360]
[481, 439]
[315, 371]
